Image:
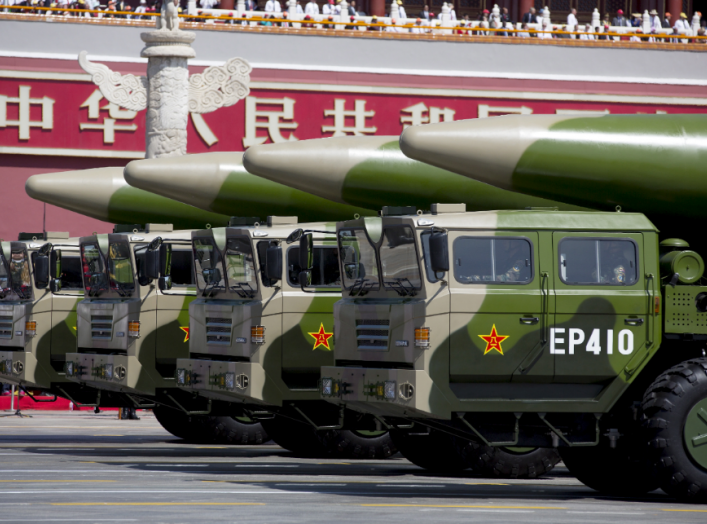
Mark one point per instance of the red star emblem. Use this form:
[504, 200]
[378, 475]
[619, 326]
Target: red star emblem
[186, 330]
[493, 341]
[321, 338]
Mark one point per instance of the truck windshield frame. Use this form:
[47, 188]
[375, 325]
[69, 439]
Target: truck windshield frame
[239, 265]
[207, 256]
[95, 278]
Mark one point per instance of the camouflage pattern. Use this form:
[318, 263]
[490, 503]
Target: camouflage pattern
[227, 364]
[651, 164]
[372, 172]
[104, 194]
[497, 344]
[108, 356]
[37, 361]
[218, 182]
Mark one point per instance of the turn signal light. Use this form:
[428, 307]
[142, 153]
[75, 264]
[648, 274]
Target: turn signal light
[422, 337]
[257, 334]
[134, 328]
[656, 301]
[31, 328]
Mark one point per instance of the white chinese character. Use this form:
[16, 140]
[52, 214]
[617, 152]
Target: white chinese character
[108, 126]
[417, 115]
[274, 122]
[23, 121]
[359, 114]
[486, 111]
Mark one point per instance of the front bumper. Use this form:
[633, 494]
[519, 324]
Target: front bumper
[120, 373]
[22, 368]
[402, 393]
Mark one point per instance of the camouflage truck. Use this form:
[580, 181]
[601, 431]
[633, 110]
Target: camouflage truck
[574, 331]
[133, 325]
[40, 287]
[259, 335]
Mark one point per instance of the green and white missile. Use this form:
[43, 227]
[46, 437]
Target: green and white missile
[372, 172]
[654, 164]
[103, 194]
[218, 182]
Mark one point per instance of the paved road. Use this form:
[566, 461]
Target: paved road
[81, 467]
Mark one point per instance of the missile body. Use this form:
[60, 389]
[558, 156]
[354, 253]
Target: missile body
[652, 164]
[373, 172]
[218, 182]
[103, 194]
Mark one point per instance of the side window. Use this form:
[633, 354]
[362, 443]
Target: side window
[181, 267]
[608, 261]
[325, 271]
[493, 260]
[262, 247]
[71, 271]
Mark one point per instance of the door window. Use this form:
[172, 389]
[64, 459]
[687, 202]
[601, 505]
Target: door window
[325, 269]
[485, 260]
[608, 261]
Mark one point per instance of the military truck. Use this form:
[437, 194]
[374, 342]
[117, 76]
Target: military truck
[133, 325]
[574, 331]
[38, 312]
[259, 335]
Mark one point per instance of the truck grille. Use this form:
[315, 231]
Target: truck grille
[218, 330]
[5, 327]
[372, 334]
[101, 327]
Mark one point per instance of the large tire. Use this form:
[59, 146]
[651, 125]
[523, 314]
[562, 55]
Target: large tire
[508, 463]
[295, 436]
[181, 425]
[359, 445]
[621, 471]
[675, 423]
[430, 449]
[231, 430]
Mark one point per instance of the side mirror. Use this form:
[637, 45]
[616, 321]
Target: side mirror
[273, 263]
[164, 283]
[152, 264]
[55, 263]
[294, 236]
[41, 271]
[306, 252]
[439, 252]
[55, 285]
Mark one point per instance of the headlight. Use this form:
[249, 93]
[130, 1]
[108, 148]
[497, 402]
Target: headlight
[18, 367]
[119, 373]
[69, 369]
[31, 328]
[181, 377]
[327, 386]
[230, 380]
[108, 371]
[389, 389]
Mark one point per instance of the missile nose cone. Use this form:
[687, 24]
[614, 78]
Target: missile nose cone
[486, 149]
[315, 166]
[194, 179]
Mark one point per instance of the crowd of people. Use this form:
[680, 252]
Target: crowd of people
[328, 16]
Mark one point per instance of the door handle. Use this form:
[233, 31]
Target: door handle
[529, 320]
[633, 321]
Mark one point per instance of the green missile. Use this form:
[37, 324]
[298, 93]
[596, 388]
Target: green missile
[103, 194]
[372, 172]
[652, 164]
[218, 182]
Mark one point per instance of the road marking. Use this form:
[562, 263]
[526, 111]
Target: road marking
[409, 486]
[485, 484]
[333, 463]
[606, 512]
[65, 449]
[166, 464]
[211, 447]
[73, 520]
[308, 484]
[266, 466]
[108, 435]
[158, 504]
[687, 510]
[57, 481]
[498, 510]
[30, 471]
[117, 491]
[454, 506]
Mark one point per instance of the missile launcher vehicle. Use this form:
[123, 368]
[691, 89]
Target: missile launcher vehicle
[259, 335]
[132, 325]
[576, 331]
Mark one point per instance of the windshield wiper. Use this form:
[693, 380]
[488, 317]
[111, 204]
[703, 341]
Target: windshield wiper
[19, 292]
[397, 287]
[363, 286]
[243, 292]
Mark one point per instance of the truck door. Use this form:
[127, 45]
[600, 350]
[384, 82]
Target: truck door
[64, 302]
[498, 311]
[601, 307]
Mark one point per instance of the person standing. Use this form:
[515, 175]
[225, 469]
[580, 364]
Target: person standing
[529, 17]
[666, 21]
[619, 19]
[401, 10]
[273, 6]
[656, 23]
[352, 8]
[572, 20]
[425, 13]
[311, 9]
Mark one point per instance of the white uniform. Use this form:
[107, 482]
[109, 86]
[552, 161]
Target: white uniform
[327, 9]
[299, 10]
[546, 35]
[311, 9]
[452, 14]
[655, 22]
[273, 6]
[402, 14]
[682, 24]
[571, 22]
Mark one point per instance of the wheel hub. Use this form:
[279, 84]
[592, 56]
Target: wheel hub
[695, 433]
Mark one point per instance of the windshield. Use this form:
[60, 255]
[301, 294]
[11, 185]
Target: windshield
[14, 274]
[94, 276]
[207, 266]
[4, 276]
[358, 260]
[240, 269]
[120, 268]
[399, 262]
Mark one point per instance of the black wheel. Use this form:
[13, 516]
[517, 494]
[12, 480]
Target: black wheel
[622, 471]
[295, 436]
[359, 444]
[675, 422]
[235, 430]
[509, 463]
[430, 449]
[181, 425]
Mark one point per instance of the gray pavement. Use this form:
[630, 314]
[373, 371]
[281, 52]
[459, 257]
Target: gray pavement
[81, 467]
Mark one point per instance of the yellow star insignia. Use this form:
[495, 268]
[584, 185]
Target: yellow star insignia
[493, 341]
[321, 338]
[186, 331]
